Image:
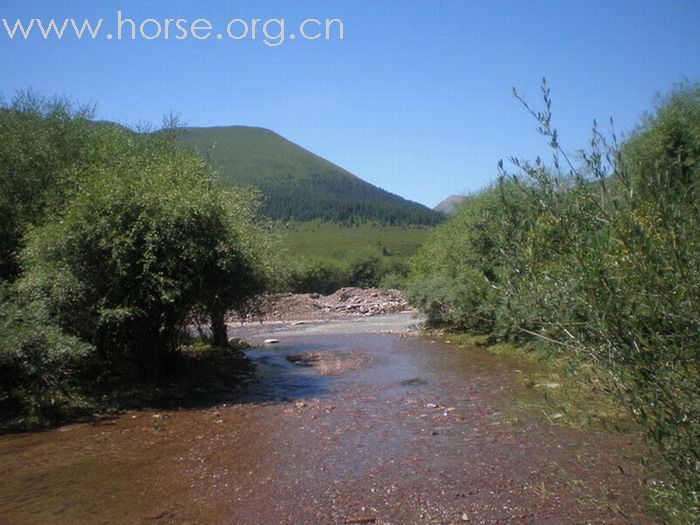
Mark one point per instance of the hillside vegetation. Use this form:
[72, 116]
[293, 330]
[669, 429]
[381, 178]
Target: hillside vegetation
[323, 257]
[332, 241]
[296, 184]
[596, 259]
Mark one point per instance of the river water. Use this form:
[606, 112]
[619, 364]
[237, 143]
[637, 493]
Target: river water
[343, 425]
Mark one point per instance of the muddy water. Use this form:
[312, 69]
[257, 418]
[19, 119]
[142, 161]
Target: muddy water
[341, 427]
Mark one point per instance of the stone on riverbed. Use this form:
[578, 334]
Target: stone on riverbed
[238, 344]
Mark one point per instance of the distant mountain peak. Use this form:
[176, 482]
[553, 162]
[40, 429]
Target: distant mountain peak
[450, 204]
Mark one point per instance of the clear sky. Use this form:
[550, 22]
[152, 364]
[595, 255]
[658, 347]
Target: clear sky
[417, 96]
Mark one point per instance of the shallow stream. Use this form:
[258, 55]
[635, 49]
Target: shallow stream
[343, 425]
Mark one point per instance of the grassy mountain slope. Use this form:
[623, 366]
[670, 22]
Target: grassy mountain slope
[298, 184]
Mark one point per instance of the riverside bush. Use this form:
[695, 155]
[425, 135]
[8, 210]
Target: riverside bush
[323, 276]
[44, 143]
[144, 240]
[111, 238]
[365, 269]
[38, 363]
[597, 258]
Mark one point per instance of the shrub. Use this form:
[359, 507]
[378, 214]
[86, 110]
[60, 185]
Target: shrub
[38, 363]
[145, 239]
[393, 280]
[317, 275]
[44, 143]
[394, 272]
[365, 269]
[467, 260]
[599, 261]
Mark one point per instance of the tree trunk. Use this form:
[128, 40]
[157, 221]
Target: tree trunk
[219, 332]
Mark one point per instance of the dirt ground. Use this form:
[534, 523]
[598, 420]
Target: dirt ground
[346, 302]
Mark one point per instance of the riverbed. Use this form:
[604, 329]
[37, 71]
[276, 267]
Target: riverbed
[351, 421]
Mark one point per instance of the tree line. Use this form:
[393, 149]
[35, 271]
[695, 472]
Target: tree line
[341, 200]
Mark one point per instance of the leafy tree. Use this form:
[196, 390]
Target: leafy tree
[667, 145]
[145, 238]
[43, 144]
[242, 263]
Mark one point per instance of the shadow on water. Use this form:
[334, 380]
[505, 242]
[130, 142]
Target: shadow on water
[196, 380]
[265, 375]
[262, 375]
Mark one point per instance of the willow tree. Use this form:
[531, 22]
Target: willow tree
[145, 238]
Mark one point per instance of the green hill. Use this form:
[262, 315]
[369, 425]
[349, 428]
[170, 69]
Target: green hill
[297, 184]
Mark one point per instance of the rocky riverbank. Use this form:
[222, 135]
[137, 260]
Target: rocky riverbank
[346, 302]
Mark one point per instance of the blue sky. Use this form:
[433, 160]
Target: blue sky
[417, 97]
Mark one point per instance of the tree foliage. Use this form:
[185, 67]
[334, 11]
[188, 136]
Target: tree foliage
[43, 144]
[38, 362]
[366, 268]
[145, 238]
[113, 239]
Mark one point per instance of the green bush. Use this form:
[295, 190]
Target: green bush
[38, 363]
[44, 143]
[112, 239]
[458, 273]
[144, 241]
[365, 269]
[317, 276]
[394, 272]
[598, 260]
[393, 280]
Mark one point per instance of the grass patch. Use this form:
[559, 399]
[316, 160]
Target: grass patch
[552, 389]
[332, 241]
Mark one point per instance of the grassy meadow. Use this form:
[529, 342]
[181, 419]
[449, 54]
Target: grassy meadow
[323, 257]
[316, 239]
